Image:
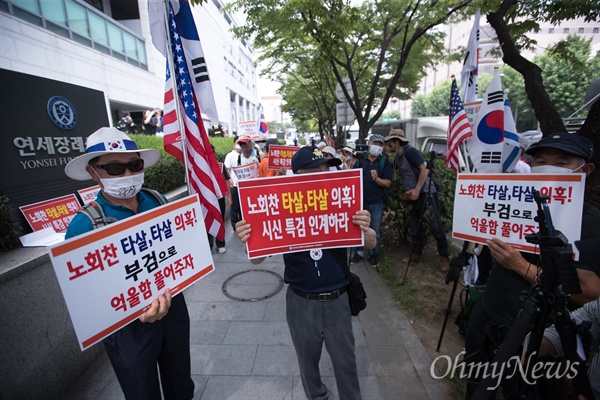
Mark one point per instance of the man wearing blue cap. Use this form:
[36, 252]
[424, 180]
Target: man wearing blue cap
[317, 304]
[377, 176]
[513, 272]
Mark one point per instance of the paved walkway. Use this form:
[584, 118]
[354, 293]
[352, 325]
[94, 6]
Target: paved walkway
[243, 350]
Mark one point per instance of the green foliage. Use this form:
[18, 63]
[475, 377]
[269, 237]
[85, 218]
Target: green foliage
[10, 229]
[398, 210]
[393, 114]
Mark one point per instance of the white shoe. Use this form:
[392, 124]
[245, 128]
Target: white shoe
[222, 250]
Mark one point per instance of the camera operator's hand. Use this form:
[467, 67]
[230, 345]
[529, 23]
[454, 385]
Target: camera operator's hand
[411, 195]
[511, 259]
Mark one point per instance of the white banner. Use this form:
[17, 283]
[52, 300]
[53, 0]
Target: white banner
[248, 128]
[502, 206]
[110, 276]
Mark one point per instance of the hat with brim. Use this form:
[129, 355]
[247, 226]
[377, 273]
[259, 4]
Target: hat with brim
[396, 134]
[107, 141]
[311, 157]
[568, 142]
[243, 139]
[329, 150]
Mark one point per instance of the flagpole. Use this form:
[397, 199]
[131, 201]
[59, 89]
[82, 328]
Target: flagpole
[176, 93]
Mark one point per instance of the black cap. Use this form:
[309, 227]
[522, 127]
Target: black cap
[124, 114]
[311, 157]
[567, 142]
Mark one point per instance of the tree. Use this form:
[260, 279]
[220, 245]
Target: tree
[368, 43]
[505, 21]
[392, 114]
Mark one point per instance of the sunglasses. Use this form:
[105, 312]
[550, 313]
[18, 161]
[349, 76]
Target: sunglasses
[114, 169]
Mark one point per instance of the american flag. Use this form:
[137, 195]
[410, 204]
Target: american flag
[458, 127]
[204, 175]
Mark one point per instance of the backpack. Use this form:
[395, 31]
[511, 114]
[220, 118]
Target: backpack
[96, 215]
[386, 191]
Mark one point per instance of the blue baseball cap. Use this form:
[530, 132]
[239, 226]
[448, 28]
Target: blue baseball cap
[311, 157]
[567, 142]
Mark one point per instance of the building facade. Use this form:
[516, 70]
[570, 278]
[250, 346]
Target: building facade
[106, 45]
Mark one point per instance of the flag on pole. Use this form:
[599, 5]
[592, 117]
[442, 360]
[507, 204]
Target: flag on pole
[469, 73]
[486, 146]
[458, 128]
[203, 172]
[262, 128]
[512, 150]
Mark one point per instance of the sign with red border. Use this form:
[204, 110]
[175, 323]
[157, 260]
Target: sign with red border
[54, 213]
[301, 212]
[281, 156]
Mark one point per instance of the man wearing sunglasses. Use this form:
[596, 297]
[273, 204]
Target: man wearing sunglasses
[162, 334]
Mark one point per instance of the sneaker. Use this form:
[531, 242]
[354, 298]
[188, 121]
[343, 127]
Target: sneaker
[356, 258]
[373, 261]
[222, 250]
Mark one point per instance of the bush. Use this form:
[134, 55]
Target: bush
[169, 172]
[398, 210]
[10, 229]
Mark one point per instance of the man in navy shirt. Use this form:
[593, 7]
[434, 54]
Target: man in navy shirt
[317, 305]
[412, 167]
[377, 176]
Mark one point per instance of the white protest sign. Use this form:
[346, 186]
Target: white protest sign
[248, 128]
[110, 276]
[247, 171]
[89, 194]
[502, 206]
[471, 109]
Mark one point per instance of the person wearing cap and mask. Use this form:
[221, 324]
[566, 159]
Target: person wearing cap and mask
[241, 155]
[317, 305]
[377, 175]
[512, 271]
[412, 169]
[329, 152]
[126, 124]
[162, 334]
[259, 147]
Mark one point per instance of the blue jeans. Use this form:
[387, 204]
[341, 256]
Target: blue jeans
[376, 211]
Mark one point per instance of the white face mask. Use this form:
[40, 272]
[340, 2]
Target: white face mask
[552, 169]
[124, 187]
[375, 150]
[261, 145]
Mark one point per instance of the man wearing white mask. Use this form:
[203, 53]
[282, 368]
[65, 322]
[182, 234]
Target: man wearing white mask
[377, 176]
[513, 272]
[161, 336]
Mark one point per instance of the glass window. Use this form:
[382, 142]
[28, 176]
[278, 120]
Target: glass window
[596, 30]
[31, 5]
[54, 10]
[77, 18]
[115, 37]
[566, 30]
[580, 30]
[98, 29]
[130, 45]
[551, 30]
[141, 49]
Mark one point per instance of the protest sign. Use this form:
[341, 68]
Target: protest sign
[89, 194]
[248, 128]
[301, 212]
[471, 109]
[247, 171]
[110, 276]
[54, 213]
[502, 206]
[281, 156]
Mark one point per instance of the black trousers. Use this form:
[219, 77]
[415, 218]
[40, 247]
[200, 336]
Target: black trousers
[428, 208]
[137, 350]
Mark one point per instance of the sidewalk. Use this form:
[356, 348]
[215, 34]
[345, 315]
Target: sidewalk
[241, 349]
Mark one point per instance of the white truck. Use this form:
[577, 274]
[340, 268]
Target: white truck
[426, 134]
